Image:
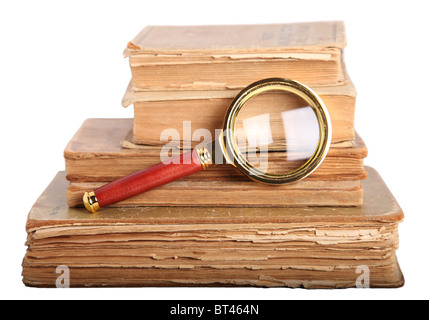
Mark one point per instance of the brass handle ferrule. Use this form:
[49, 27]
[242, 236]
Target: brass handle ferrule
[90, 201]
[205, 157]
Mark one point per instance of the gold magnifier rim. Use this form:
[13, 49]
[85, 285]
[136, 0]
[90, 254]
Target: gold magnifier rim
[292, 86]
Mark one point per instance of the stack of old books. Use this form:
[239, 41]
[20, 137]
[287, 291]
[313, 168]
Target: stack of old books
[336, 228]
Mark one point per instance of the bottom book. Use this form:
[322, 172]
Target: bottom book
[309, 247]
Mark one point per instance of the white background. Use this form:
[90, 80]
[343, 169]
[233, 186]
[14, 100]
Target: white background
[61, 62]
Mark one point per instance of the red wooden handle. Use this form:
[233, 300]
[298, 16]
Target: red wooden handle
[148, 179]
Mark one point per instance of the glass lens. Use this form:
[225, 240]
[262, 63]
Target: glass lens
[276, 132]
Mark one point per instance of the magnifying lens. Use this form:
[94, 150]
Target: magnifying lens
[276, 131]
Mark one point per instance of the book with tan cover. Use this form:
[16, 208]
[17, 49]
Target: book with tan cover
[102, 151]
[233, 56]
[319, 247]
[156, 111]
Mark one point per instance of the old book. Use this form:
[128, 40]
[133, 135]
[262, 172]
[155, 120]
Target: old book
[232, 57]
[155, 111]
[322, 247]
[234, 194]
[101, 152]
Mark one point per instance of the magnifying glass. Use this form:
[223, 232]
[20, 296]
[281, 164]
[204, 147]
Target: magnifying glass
[276, 131]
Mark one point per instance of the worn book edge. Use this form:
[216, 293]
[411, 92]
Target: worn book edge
[51, 210]
[265, 37]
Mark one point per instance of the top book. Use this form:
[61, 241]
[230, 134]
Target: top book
[231, 57]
